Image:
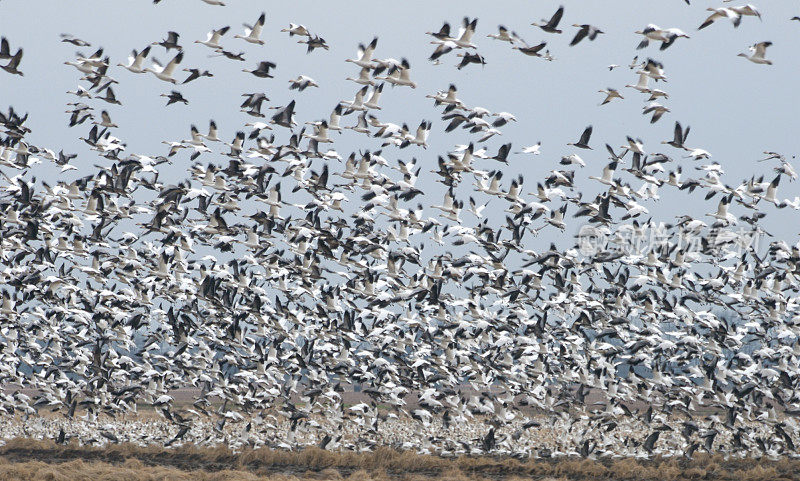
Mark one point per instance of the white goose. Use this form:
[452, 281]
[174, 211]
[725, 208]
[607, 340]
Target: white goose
[252, 33]
[358, 102]
[759, 50]
[213, 37]
[372, 103]
[400, 75]
[136, 60]
[502, 35]
[363, 77]
[295, 29]
[165, 73]
[365, 54]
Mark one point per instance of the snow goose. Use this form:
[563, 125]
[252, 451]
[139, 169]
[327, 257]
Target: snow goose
[656, 109]
[421, 136]
[357, 103]
[372, 103]
[252, 33]
[400, 75]
[671, 35]
[641, 85]
[213, 37]
[295, 29]
[448, 98]
[502, 35]
[364, 58]
[759, 50]
[608, 174]
[465, 33]
[361, 124]
[301, 83]
[722, 213]
[363, 77]
[611, 94]
[320, 134]
[212, 132]
[533, 149]
[135, 61]
[718, 13]
[165, 73]
[635, 146]
[747, 10]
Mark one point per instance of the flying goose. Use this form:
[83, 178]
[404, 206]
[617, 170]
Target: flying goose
[656, 109]
[252, 33]
[68, 38]
[165, 73]
[400, 75]
[170, 42]
[679, 137]
[196, 74]
[611, 94]
[106, 120]
[213, 37]
[586, 31]
[502, 35]
[262, 71]
[363, 77]
[550, 26]
[314, 42]
[136, 61]
[12, 66]
[295, 29]
[641, 85]
[364, 58]
[528, 50]
[721, 12]
[301, 83]
[759, 50]
[174, 97]
[583, 142]
[463, 40]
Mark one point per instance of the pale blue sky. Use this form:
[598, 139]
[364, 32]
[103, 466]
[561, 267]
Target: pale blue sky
[736, 109]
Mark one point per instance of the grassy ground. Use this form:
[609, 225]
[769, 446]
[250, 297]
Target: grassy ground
[28, 459]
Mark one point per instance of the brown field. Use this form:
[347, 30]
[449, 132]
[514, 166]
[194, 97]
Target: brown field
[25, 459]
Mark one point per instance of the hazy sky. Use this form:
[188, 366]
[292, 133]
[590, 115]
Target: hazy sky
[736, 109]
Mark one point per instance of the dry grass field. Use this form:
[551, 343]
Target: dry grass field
[25, 459]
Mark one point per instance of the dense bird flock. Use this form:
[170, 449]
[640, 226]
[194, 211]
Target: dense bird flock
[279, 272]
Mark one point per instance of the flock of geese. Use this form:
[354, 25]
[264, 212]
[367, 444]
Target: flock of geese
[279, 272]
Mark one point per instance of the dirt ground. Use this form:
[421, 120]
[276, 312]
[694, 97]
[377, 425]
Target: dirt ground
[25, 459]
